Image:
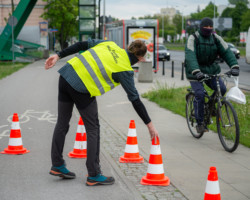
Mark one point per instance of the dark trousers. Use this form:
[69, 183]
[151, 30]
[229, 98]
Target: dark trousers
[87, 108]
[200, 96]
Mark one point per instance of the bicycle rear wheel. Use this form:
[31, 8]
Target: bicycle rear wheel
[228, 126]
[190, 116]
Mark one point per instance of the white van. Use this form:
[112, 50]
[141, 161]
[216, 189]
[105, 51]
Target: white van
[248, 47]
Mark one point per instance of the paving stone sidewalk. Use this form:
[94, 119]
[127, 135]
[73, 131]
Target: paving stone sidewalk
[114, 143]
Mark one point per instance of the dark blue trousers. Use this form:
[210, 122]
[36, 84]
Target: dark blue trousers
[199, 92]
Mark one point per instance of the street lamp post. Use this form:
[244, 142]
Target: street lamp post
[163, 26]
[104, 17]
[214, 15]
[99, 19]
[182, 27]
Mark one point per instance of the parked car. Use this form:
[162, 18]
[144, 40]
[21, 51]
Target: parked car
[163, 53]
[234, 50]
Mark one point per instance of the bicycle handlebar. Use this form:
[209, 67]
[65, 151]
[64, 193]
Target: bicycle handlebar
[210, 76]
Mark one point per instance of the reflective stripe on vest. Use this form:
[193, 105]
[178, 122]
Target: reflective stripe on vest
[96, 65]
[92, 73]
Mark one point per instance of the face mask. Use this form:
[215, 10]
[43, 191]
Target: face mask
[206, 31]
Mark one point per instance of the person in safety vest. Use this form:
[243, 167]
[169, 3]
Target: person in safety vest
[201, 51]
[102, 66]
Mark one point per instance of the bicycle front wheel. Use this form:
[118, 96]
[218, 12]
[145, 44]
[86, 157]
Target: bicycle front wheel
[190, 116]
[228, 126]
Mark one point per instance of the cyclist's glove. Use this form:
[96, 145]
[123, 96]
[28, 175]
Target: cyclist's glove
[200, 76]
[235, 71]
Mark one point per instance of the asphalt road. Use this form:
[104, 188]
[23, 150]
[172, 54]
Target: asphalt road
[178, 58]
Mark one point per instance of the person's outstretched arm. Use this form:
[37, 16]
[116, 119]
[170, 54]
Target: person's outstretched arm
[75, 48]
[127, 81]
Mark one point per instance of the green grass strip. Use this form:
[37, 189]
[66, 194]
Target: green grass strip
[173, 99]
[7, 68]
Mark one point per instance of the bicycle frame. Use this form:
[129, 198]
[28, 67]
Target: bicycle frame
[216, 97]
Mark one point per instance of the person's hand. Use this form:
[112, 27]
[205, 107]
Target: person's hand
[200, 76]
[235, 71]
[152, 131]
[51, 61]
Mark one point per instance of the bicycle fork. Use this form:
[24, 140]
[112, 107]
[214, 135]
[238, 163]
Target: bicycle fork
[219, 99]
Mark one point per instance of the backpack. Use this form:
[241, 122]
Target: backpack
[197, 43]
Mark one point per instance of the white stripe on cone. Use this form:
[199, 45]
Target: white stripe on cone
[15, 126]
[15, 142]
[80, 129]
[212, 187]
[80, 145]
[155, 150]
[131, 148]
[155, 168]
[132, 132]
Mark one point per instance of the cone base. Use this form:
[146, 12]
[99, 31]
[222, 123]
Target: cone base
[162, 182]
[77, 155]
[131, 160]
[212, 196]
[20, 151]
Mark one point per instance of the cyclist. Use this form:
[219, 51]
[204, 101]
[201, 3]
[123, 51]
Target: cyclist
[201, 51]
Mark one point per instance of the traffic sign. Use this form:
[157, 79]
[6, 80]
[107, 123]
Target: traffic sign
[12, 21]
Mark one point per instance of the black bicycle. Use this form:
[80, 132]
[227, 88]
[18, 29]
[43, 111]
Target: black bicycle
[215, 105]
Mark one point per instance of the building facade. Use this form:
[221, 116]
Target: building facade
[34, 29]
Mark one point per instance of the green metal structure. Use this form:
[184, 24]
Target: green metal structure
[18, 19]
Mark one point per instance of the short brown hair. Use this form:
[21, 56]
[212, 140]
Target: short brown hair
[138, 48]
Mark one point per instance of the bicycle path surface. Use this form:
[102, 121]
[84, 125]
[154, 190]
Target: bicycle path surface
[32, 91]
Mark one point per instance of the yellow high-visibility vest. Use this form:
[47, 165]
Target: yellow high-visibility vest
[96, 65]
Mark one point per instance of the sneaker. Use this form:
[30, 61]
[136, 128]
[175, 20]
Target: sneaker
[62, 171]
[100, 180]
[200, 128]
[206, 129]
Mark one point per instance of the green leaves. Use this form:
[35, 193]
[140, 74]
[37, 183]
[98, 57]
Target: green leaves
[207, 12]
[234, 2]
[61, 15]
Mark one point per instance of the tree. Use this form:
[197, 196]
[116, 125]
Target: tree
[207, 12]
[237, 13]
[198, 9]
[61, 14]
[234, 2]
[227, 12]
[245, 21]
[177, 21]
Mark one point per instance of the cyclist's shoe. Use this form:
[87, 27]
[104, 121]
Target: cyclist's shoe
[99, 180]
[206, 129]
[62, 171]
[200, 128]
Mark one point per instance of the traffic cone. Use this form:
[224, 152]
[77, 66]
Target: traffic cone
[15, 141]
[131, 154]
[155, 174]
[212, 188]
[80, 150]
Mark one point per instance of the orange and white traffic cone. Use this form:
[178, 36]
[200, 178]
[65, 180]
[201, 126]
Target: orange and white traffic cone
[15, 141]
[212, 191]
[155, 174]
[80, 150]
[131, 154]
